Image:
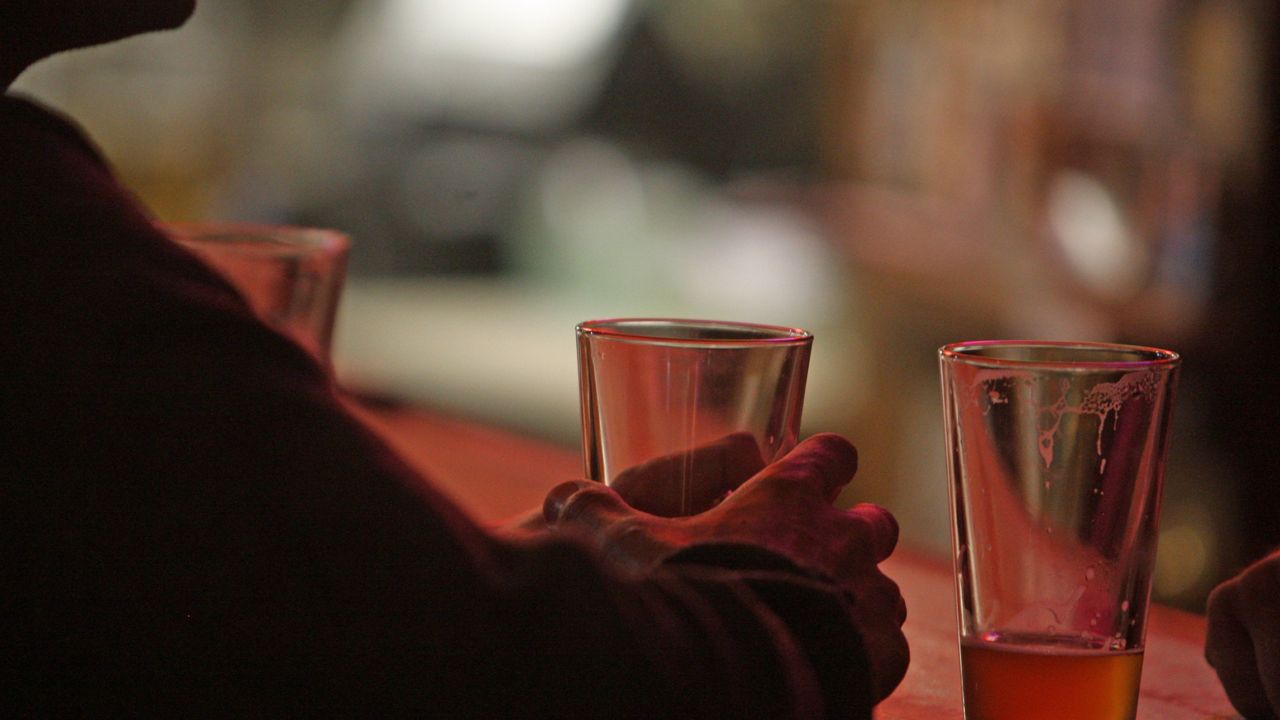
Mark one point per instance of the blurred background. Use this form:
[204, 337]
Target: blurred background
[891, 174]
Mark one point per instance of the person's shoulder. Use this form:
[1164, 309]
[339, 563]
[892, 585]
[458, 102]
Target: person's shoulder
[25, 121]
[47, 162]
[55, 183]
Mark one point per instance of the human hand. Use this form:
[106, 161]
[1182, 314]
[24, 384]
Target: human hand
[668, 485]
[1243, 643]
[689, 483]
[786, 508]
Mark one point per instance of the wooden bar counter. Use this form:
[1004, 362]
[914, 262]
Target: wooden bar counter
[495, 475]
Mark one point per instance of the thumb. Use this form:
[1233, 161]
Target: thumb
[882, 529]
[582, 502]
[686, 483]
[822, 464]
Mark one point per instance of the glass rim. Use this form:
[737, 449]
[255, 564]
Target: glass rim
[1150, 357]
[752, 334]
[294, 236]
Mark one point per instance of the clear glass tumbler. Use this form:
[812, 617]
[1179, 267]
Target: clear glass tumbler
[1056, 461]
[292, 277]
[662, 388]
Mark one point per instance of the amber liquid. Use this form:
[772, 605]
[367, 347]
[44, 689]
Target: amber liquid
[1048, 683]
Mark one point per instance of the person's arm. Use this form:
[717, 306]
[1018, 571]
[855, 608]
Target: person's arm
[1243, 641]
[193, 521]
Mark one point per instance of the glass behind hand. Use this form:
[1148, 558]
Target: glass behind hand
[292, 277]
[658, 390]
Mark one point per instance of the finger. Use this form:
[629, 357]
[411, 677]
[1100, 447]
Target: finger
[901, 609]
[690, 482]
[894, 594]
[736, 457]
[528, 523]
[583, 502]
[889, 654]
[895, 656]
[882, 528]
[1258, 606]
[1230, 651]
[823, 464]
[553, 504]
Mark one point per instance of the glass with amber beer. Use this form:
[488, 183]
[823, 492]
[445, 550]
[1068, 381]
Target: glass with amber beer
[1056, 455]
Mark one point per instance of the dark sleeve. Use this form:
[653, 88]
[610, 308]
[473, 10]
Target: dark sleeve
[191, 522]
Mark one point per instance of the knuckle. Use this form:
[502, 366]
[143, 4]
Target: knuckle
[877, 527]
[835, 448]
[626, 532]
[586, 502]
[901, 660]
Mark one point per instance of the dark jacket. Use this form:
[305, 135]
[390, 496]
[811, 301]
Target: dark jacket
[192, 523]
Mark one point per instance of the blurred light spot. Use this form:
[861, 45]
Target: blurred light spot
[1098, 245]
[546, 33]
[759, 260]
[502, 64]
[1182, 559]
